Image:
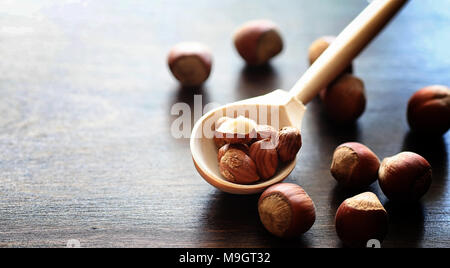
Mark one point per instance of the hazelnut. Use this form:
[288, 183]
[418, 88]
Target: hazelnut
[235, 130]
[345, 100]
[405, 177]
[220, 121]
[226, 147]
[360, 219]
[289, 143]
[429, 110]
[258, 41]
[354, 165]
[319, 46]
[286, 210]
[262, 132]
[238, 167]
[265, 158]
[190, 63]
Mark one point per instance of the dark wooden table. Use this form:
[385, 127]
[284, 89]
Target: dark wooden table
[86, 150]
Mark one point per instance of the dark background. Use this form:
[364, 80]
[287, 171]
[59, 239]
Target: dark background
[85, 145]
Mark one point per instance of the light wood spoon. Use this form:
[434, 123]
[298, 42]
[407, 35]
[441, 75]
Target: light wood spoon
[281, 108]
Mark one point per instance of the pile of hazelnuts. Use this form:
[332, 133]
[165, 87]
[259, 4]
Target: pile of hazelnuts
[248, 152]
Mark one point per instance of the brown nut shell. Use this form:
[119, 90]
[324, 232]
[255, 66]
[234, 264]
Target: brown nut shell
[289, 143]
[286, 210]
[258, 41]
[429, 110]
[405, 177]
[360, 219]
[354, 165]
[235, 166]
[190, 63]
[345, 99]
[265, 157]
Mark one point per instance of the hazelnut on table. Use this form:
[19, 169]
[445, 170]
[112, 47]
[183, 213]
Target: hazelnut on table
[354, 165]
[405, 177]
[429, 110]
[258, 41]
[190, 63]
[286, 210]
[360, 219]
[345, 99]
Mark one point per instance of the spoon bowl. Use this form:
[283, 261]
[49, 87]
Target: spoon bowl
[281, 108]
[278, 109]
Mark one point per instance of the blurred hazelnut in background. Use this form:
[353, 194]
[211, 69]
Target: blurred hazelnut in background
[190, 63]
[345, 99]
[258, 41]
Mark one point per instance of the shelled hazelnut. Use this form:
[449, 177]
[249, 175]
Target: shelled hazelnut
[235, 130]
[258, 41]
[243, 147]
[354, 165]
[405, 177]
[429, 110]
[360, 219]
[262, 132]
[289, 143]
[265, 158]
[286, 210]
[345, 99]
[265, 146]
[190, 63]
[238, 167]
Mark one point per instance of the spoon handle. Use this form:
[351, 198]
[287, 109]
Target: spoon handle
[348, 44]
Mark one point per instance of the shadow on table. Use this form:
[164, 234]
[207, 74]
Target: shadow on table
[434, 150]
[406, 224]
[257, 80]
[233, 221]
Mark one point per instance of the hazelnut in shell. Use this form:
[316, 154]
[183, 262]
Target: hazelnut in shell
[405, 177]
[286, 210]
[345, 99]
[190, 63]
[258, 41]
[236, 166]
[265, 158]
[354, 165]
[429, 110]
[360, 219]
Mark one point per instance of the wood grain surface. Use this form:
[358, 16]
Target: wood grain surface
[86, 150]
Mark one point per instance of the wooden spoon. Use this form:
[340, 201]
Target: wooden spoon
[281, 108]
